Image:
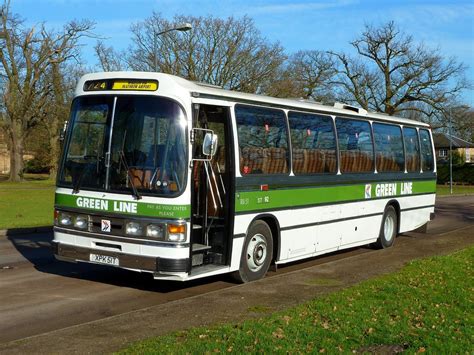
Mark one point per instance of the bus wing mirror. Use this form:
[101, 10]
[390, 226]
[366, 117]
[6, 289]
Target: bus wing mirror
[62, 132]
[209, 145]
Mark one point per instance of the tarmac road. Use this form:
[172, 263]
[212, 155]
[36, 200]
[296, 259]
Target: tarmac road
[39, 294]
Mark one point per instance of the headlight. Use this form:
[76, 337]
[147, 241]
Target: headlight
[176, 232]
[81, 222]
[133, 228]
[155, 231]
[64, 219]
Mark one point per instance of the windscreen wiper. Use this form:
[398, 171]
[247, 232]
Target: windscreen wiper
[123, 161]
[78, 183]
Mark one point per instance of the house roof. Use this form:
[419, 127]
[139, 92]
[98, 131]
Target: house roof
[441, 140]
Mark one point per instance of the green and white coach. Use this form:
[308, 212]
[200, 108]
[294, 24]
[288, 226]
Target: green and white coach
[185, 180]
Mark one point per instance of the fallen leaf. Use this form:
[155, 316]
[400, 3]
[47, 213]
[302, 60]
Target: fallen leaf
[278, 333]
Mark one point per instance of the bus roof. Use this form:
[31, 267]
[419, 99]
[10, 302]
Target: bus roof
[197, 89]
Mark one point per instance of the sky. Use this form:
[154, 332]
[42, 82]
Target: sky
[300, 24]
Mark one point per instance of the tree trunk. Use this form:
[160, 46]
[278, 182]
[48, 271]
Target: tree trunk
[53, 173]
[16, 155]
[56, 118]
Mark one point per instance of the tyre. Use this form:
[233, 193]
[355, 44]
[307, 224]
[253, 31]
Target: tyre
[257, 253]
[388, 229]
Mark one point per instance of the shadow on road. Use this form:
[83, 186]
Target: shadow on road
[36, 248]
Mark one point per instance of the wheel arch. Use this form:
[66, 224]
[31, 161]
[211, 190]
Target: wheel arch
[274, 225]
[396, 205]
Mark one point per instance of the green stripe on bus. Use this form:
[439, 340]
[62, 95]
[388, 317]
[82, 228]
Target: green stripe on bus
[136, 208]
[264, 200]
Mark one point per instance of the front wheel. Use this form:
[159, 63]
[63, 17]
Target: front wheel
[257, 253]
[388, 229]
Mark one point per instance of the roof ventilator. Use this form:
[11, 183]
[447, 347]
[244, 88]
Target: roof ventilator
[343, 106]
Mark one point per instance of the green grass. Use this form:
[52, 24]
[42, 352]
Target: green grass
[26, 204]
[457, 190]
[427, 306]
[27, 178]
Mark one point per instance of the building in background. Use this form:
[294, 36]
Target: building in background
[463, 148]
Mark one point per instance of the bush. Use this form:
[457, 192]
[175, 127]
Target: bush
[36, 166]
[463, 174]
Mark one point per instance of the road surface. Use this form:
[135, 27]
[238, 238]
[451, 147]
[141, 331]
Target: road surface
[39, 294]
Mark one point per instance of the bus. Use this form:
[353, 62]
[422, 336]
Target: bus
[185, 180]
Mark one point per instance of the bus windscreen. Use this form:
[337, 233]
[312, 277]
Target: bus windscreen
[138, 146]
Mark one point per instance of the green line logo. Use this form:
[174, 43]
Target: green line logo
[368, 191]
[298, 197]
[145, 209]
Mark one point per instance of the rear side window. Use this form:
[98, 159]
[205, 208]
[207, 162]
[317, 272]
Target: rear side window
[427, 161]
[263, 140]
[313, 143]
[355, 146]
[388, 148]
[412, 149]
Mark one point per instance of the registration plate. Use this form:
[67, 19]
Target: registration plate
[104, 259]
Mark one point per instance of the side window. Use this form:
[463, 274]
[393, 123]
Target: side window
[427, 161]
[355, 146]
[412, 149]
[313, 143]
[388, 148]
[263, 140]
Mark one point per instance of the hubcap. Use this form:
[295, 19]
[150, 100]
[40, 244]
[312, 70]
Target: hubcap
[256, 252]
[388, 227]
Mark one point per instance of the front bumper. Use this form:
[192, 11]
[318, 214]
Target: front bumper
[74, 253]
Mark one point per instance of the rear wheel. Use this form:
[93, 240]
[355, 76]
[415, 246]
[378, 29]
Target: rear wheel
[388, 229]
[257, 253]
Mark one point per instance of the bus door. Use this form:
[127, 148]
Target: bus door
[212, 189]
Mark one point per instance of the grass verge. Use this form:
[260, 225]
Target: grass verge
[26, 204]
[427, 306]
[457, 190]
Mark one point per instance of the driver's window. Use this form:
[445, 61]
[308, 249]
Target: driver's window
[89, 132]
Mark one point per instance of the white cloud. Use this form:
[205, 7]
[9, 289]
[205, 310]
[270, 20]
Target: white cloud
[431, 14]
[300, 6]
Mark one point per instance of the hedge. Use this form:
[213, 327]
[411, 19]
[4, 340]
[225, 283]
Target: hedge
[461, 174]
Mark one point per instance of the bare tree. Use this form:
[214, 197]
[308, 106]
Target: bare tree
[306, 75]
[43, 141]
[462, 119]
[62, 79]
[284, 85]
[313, 72]
[109, 59]
[229, 53]
[26, 56]
[394, 75]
